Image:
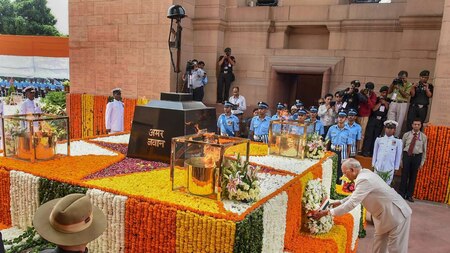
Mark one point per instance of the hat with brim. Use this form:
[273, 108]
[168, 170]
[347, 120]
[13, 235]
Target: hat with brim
[263, 105]
[29, 89]
[280, 106]
[301, 112]
[352, 112]
[342, 114]
[69, 221]
[313, 109]
[390, 124]
[116, 90]
[228, 104]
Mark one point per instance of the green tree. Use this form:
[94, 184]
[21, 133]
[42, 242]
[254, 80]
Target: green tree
[27, 17]
[37, 16]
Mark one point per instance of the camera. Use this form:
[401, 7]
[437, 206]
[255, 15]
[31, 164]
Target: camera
[397, 81]
[355, 84]
[332, 103]
[190, 66]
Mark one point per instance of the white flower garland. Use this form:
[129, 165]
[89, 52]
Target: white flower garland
[10, 234]
[269, 183]
[113, 206]
[24, 198]
[274, 220]
[327, 175]
[356, 214]
[312, 199]
[120, 139]
[81, 148]
[293, 165]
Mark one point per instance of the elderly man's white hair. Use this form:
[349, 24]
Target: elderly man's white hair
[351, 163]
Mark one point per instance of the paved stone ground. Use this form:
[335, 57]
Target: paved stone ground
[430, 231]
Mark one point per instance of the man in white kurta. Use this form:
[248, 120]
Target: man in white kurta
[114, 115]
[387, 152]
[391, 214]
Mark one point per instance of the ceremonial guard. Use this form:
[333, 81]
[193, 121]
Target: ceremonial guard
[301, 119]
[340, 141]
[355, 131]
[387, 152]
[281, 112]
[114, 115]
[259, 127]
[29, 106]
[227, 123]
[315, 125]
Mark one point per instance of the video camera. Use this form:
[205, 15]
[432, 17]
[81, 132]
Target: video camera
[190, 65]
[397, 81]
[355, 84]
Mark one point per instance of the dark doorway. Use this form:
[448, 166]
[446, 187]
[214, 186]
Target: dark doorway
[306, 87]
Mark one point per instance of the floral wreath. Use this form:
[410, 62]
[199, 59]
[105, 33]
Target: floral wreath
[313, 198]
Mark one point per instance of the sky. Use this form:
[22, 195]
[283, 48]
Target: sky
[60, 9]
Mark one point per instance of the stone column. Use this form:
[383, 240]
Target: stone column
[441, 103]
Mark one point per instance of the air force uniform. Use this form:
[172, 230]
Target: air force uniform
[228, 125]
[114, 116]
[355, 132]
[260, 127]
[387, 154]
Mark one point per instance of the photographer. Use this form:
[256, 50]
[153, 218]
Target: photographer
[187, 76]
[226, 76]
[365, 109]
[352, 97]
[420, 99]
[399, 93]
[197, 83]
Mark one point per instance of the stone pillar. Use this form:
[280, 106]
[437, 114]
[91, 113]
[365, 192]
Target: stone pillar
[439, 110]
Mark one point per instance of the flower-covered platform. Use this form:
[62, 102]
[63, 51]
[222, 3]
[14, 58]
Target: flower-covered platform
[145, 215]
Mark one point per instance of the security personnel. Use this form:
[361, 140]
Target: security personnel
[29, 106]
[299, 105]
[387, 152]
[420, 99]
[114, 115]
[355, 131]
[375, 124]
[340, 141]
[259, 127]
[315, 125]
[227, 123]
[281, 112]
[301, 119]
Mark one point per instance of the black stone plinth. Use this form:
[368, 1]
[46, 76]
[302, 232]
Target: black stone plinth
[155, 124]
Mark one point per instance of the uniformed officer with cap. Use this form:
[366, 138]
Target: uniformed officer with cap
[355, 131]
[299, 105]
[259, 127]
[340, 141]
[114, 115]
[228, 123]
[281, 112]
[387, 152]
[421, 93]
[29, 106]
[301, 119]
[315, 125]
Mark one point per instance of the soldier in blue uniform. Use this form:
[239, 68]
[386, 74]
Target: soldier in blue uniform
[340, 141]
[281, 112]
[355, 131]
[259, 127]
[387, 152]
[301, 119]
[315, 125]
[227, 123]
[299, 105]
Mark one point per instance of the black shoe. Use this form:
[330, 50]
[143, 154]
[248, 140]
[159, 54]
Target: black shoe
[410, 199]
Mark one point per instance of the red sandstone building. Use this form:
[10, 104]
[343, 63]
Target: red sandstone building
[298, 49]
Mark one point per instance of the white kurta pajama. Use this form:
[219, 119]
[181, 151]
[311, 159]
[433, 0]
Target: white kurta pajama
[114, 116]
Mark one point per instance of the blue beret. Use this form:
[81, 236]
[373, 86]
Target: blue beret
[263, 105]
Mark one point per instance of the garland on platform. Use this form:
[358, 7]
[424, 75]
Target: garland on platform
[24, 198]
[274, 222]
[75, 115]
[87, 113]
[5, 213]
[113, 206]
[49, 190]
[433, 179]
[314, 195]
[99, 114]
[249, 233]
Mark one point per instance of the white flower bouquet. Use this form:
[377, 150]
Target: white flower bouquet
[240, 181]
[313, 199]
[315, 146]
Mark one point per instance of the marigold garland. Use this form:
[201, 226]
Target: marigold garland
[256, 149]
[433, 179]
[87, 113]
[198, 233]
[129, 104]
[149, 227]
[75, 115]
[347, 222]
[99, 114]
[5, 213]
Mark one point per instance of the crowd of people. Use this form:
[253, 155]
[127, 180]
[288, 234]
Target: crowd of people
[42, 87]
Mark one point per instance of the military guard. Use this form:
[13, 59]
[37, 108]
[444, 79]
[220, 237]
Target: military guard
[315, 125]
[114, 115]
[355, 131]
[281, 112]
[301, 119]
[29, 106]
[340, 141]
[387, 152]
[228, 123]
[259, 127]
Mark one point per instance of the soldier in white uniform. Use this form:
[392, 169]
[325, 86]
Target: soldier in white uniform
[387, 152]
[30, 106]
[115, 113]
